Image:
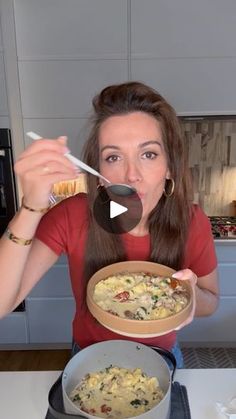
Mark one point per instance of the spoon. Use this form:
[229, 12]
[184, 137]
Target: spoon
[119, 189]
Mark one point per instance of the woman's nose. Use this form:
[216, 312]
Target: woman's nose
[133, 172]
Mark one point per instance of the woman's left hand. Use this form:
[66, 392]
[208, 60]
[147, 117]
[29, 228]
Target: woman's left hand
[187, 275]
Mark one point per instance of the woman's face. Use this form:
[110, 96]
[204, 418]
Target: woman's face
[132, 152]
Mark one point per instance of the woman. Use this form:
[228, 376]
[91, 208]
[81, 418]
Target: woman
[136, 140]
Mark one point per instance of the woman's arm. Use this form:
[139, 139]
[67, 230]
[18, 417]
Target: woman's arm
[23, 265]
[40, 261]
[23, 271]
[13, 258]
[205, 293]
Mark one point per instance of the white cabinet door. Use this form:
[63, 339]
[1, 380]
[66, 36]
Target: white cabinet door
[76, 129]
[64, 89]
[50, 319]
[55, 283]
[218, 329]
[13, 329]
[226, 252]
[183, 28]
[227, 275]
[50, 306]
[71, 29]
[200, 86]
[187, 51]
[3, 93]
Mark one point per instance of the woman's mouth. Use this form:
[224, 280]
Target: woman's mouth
[137, 196]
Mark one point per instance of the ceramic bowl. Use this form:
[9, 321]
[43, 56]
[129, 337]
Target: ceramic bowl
[131, 327]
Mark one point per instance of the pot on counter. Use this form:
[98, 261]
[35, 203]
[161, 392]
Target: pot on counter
[126, 354]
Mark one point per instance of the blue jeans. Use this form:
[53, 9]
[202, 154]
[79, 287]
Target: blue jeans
[176, 351]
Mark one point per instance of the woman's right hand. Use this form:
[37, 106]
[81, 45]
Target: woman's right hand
[40, 166]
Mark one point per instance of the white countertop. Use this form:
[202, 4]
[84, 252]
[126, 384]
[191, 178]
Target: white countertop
[24, 395]
[224, 241]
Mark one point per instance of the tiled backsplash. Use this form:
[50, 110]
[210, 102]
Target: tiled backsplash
[211, 146]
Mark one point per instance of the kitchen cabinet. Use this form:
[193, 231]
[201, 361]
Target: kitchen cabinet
[74, 29]
[55, 283]
[50, 307]
[4, 116]
[50, 320]
[79, 80]
[200, 86]
[186, 50]
[13, 329]
[190, 29]
[61, 67]
[49, 312]
[3, 93]
[218, 329]
[75, 129]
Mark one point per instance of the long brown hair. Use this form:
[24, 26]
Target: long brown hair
[169, 220]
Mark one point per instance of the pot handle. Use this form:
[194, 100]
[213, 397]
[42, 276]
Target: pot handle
[58, 414]
[169, 355]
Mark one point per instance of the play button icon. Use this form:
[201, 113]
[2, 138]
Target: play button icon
[116, 213]
[116, 209]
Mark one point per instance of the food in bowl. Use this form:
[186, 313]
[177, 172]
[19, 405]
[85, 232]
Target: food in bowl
[140, 295]
[116, 392]
[132, 327]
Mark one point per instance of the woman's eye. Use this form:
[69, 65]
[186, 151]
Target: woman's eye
[111, 159]
[149, 155]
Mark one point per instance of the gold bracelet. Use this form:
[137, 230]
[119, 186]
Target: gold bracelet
[42, 210]
[17, 240]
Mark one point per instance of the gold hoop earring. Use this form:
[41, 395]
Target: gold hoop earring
[171, 191]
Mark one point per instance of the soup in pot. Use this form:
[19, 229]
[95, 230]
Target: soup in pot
[116, 392]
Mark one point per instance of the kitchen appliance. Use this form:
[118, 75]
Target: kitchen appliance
[223, 227]
[124, 354]
[8, 198]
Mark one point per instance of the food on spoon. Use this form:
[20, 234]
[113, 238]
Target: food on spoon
[140, 295]
[116, 392]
